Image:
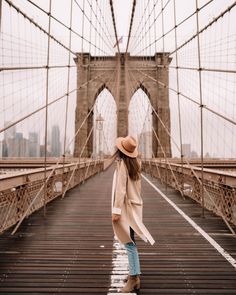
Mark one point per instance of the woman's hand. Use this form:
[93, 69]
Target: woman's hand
[115, 217]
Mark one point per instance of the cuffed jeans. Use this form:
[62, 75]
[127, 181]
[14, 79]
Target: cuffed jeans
[133, 257]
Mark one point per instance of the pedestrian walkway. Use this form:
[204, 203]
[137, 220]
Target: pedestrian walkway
[72, 250]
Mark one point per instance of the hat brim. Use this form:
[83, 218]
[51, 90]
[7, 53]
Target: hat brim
[134, 154]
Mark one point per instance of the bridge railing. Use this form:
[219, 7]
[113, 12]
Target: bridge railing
[22, 192]
[219, 192]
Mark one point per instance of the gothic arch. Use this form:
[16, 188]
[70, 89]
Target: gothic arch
[100, 89]
[100, 75]
[141, 86]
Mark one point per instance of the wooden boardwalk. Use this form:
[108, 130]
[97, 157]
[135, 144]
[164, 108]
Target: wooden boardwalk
[71, 251]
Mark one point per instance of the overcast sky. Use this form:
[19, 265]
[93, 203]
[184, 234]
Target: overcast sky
[24, 45]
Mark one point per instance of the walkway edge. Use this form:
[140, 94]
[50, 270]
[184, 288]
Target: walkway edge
[224, 253]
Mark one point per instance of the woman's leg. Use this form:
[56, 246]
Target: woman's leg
[133, 258]
[134, 269]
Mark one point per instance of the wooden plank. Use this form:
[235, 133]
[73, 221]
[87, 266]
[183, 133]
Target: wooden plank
[70, 251]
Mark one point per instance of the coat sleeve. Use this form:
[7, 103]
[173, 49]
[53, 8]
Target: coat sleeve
[120, 190]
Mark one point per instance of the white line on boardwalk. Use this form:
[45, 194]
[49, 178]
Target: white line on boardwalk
[224, 253]
[119, 268]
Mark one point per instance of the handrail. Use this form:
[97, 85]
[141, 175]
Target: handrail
[21, 194]
[219, 186]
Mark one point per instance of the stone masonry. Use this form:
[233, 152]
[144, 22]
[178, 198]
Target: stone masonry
[122, 75]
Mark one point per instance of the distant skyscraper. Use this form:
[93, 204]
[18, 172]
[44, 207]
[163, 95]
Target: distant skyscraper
[18, 146]
[10, 132]
[24, 147]
[9, 136]
[186, 150]
[55, 141]
[34, 147]
[4, 149]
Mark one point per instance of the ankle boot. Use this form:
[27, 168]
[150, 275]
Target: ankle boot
[126, 280]
[132, 284]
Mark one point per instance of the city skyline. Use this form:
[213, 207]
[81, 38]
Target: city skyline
[22, 92]
[16, 144]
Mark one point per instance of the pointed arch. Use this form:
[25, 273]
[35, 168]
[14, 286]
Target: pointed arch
[105, 123]
[140, 121]
[145, 90]
[99, 90]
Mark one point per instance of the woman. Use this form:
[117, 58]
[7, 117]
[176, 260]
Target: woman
[127, 207]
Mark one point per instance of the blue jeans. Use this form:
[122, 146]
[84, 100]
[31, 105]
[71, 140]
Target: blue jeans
[133, 258]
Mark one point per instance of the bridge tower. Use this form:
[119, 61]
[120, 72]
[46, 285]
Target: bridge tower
[122, 75]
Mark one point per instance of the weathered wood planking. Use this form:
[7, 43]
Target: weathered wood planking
[70, 251]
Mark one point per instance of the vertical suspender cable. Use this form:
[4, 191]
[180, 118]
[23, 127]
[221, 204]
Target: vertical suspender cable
[82, 42]
[96, 19]
[143, 34]
[46, 109]
[103, 31]
[149, 29]
[164, 62]
[67, 96]
[177, 80]
[201, 106]
[90, 26]
[145, 50]
[0, 16]
[82, 55]
[163, 31]
[155, 30]
[100, 34]
[156, 70]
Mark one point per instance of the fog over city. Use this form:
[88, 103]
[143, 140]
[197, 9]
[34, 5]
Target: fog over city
[23, 92]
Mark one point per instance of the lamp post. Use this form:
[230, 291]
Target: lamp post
[99, 126]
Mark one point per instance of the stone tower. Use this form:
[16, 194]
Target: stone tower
[122, 75]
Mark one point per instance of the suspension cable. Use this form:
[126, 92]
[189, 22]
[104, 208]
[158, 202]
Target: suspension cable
[131, 24]
[38, 26]
[193, 171]
[51, 173]
[201, 109]
[186, 96]
[46, 109]
[114, 25]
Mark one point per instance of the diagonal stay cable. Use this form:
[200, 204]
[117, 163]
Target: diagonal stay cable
[139, 24]
[95, 28]
[83, 148]
[193, 171]
[63, 24]
[104, 21]
[187, 97]
[78, 162]
[206, 27]
[174, 27]
[51, 173]
[50, 103]
[157, 138]
[38, 26]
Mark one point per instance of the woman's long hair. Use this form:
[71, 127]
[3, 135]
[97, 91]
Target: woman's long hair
[132, 165]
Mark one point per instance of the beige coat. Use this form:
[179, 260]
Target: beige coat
[127, 201]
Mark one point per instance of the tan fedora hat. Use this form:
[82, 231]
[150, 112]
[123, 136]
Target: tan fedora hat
[128, 146]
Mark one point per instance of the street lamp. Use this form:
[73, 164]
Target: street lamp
[99, 125]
